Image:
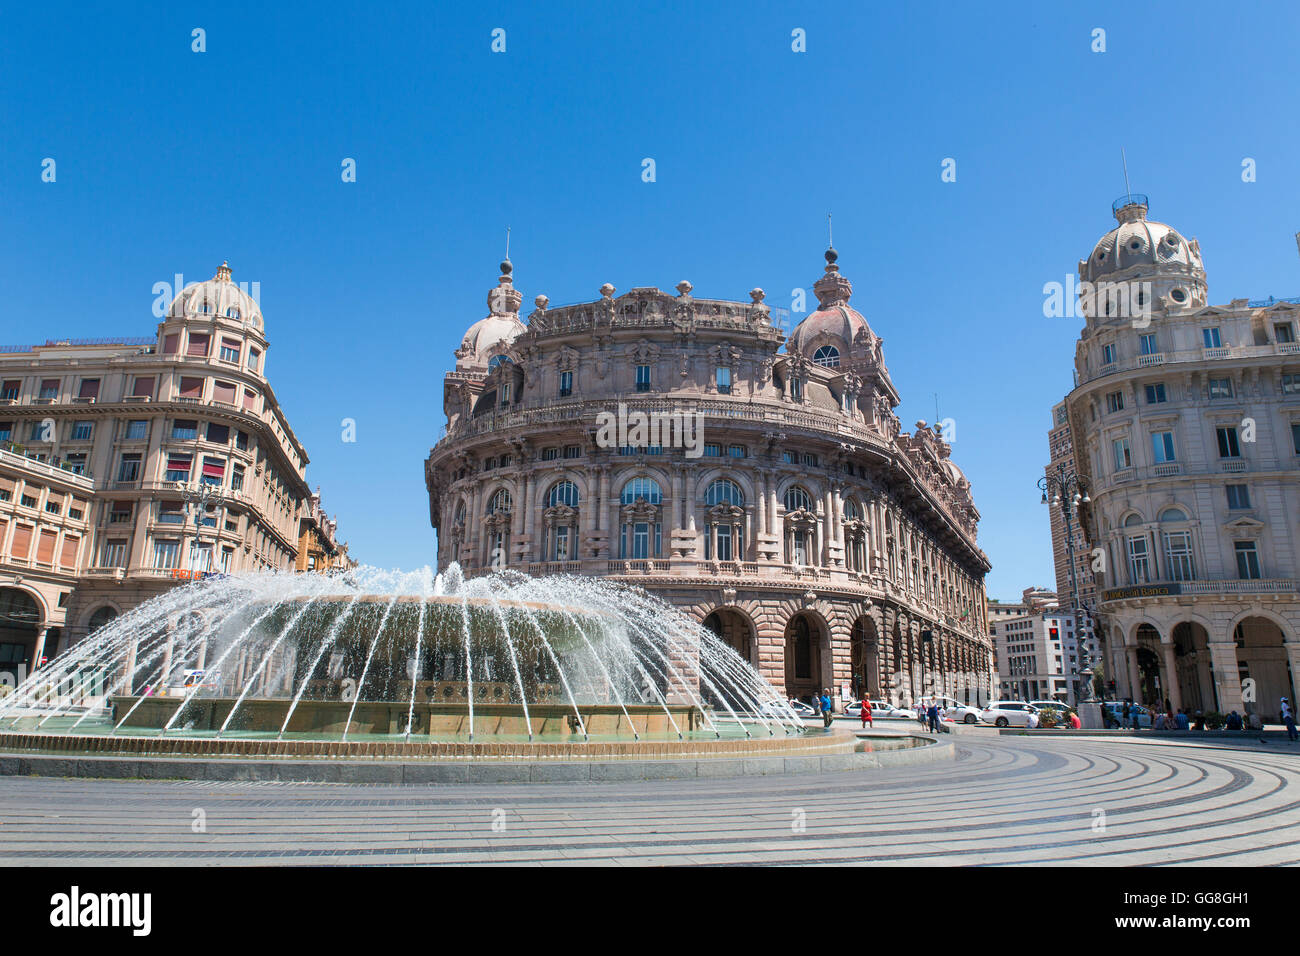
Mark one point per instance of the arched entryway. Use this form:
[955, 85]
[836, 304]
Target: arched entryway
[865, 658]
[1262, 664]
[1151, 685]
[20, 625]
[735, 630]
[807, 657]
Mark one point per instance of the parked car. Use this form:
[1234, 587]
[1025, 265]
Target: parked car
[1116, 710]
[964, 713]
[773, 708]
[880, 709]
[1008, 713]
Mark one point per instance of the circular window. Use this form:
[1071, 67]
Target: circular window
[1135, 244]
[1178, 295]
[1101, 257]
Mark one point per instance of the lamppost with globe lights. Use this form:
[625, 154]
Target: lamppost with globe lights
[1069, 490]
[201, 500]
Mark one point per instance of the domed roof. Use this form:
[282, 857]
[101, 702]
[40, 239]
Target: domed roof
[834, 317]
[219, 296]
[501, 326]
[955, 474]
[1138, 241]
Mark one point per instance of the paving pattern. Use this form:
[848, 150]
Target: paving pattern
[1068, 801]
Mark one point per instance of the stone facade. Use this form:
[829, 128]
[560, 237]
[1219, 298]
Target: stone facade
[1186, 420]
[671, 442]
[120, 431]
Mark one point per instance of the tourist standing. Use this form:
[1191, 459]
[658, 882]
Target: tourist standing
[826, 707]
[1125, 716]
[866, 714]
[1288, 718]
[934, 717]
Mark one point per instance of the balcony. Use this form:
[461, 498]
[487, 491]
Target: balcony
[1235, 465]
[1166, 470]
[1229, 587]
[1156, 358]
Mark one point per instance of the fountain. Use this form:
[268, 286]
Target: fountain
[357, 662]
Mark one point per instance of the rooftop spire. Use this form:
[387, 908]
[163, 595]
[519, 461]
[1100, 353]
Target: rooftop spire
[223, 273]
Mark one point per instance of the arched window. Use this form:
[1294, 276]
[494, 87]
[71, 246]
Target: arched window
[499, 502]
[797, 499]
[851, 510]
[724, 490]
[828, 356]
[496, 360]
[646, 488]
[563, 493]
[460, 513]
[232, 313]
[1132, 520]
[1172, 514]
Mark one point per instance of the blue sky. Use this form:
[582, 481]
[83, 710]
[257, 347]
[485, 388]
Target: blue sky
[171, 161]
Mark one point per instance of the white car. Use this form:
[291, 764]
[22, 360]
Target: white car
[964, 713]
[772, 709]
[880, 709]
[1008, 713]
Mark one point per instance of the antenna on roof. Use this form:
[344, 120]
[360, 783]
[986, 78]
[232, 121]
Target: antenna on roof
[1124, 159]
[830, 238]
[507, 242]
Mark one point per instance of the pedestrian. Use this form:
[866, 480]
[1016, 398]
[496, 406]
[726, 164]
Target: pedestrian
[1234, 721]
[1181, 722]
[933, 714]
[1288, 718]
[826, 706]
[1137, 717]
[866, 714]
[921, 715]
[1124, 722]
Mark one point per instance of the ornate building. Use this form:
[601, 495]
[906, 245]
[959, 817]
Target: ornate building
[669, 441]
[1186, 420]
[105, 447]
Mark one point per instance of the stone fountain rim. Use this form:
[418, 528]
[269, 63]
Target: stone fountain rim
[507, 603]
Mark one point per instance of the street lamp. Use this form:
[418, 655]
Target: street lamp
[1069, 490]
[200, 499]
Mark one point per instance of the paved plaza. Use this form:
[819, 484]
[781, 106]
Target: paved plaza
[1005, 799]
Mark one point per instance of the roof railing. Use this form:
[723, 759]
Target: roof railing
[1129, 199]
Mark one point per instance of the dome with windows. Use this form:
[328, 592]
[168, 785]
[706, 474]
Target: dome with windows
[488, 337]
[826, 335]
[1143, 244]
[218, 296]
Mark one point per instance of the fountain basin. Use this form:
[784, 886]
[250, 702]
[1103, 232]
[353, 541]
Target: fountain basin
[337, 717]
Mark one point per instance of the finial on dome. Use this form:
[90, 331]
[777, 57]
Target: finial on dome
[507, 267]
[832, 288]
[223, 274]
[831, 256]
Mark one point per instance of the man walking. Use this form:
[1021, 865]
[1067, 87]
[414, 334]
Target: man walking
[933, 714]
[1288, 718]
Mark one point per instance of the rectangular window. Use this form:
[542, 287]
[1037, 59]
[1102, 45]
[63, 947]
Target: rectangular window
[712, 450]
[1210, 338]
[224, 392]
[171, 343]
[89, 389]
[1114, 401]
[723, 379]
[562, 543]
[165, 553]
[49, 388]
[737, 451]
[142, 387]
[1284, 333]
[113, 553]
[643, 378]
[1295, 437]
[53, 507]
[1247, 560]
[1108, 355]
[1220, 388]
[198, 345]
[550, 454]
[45, 547]
[790, 458]
[185, 429]
[1227, 438]
[505, 394]
[1178, 556]
[128, 468]
[1162, 446]
[241, 440]
[214, 470]
[1123, 454]
[236, 478]
[250, 400]
[40, 433]
[9, 390]
[566, 384]
[572, 451]
[1148, 344]
[1155, 393]
[136, 430]
[218, 434]
[254, 357]
[1139, 564]
[810, 459]
[230, 350]
[178, 467]
[1238, 497]
[81, 431]
[191, 388]
[68, 553]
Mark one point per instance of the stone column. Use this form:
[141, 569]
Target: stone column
[1227, 676]
[1134, 673]
[760, 484]
[750, 550]
[40, 648]
[828, 534]
[1172, 690]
